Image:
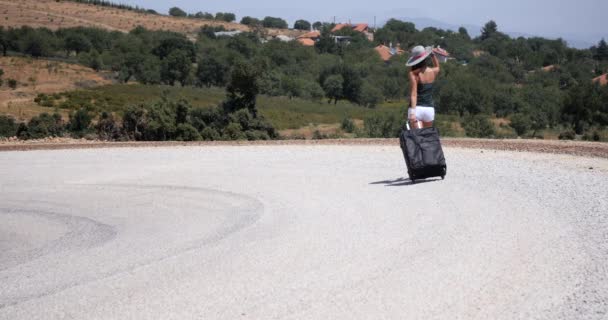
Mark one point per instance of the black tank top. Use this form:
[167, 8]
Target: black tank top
[425, 95]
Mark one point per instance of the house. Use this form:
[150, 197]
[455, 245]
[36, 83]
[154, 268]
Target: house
[307, 42]
[227, 33]
[361, 27]
[548, 68]
[309, 39]
[386, 53]
[284, 38]
[602, 80]
[442, 55]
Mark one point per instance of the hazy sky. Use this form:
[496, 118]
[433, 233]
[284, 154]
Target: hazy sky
[552, 18]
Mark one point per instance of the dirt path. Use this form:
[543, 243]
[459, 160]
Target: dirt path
[590, 149]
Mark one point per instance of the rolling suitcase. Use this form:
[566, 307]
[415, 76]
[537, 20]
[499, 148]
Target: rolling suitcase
[423, 153]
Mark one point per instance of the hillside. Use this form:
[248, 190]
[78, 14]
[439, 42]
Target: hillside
[64, 14]
[36, 76]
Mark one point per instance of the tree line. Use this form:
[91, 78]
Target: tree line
[537, 83]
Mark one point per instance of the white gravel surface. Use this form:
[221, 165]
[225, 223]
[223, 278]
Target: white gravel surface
[300, 232]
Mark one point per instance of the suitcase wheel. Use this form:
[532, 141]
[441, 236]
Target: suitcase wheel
[442, 177]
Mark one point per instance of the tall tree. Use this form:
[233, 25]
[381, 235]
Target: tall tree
[177, 12]
[243, 88]
[301, 25]
[601, 53]
[489, 29]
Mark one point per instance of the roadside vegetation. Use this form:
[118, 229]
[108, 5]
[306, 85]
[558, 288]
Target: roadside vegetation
[495, 86]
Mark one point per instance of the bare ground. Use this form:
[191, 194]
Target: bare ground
[579, 148]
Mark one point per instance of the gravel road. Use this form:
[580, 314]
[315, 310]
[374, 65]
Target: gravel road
[300, 232]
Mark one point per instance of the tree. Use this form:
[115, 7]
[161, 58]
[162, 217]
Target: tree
[317, 25]
[301, 25]
[250, 21]
[333, 87]
[79, 123]
[204, 15]
[243, 88]
[520, 123]
[272, 22]
[3, 41]
[8, 126]
[176, 67]
[489, 30]
[107, 128]
[601, 53]
[212, 72]
[78, 43]
[464, 33]
[225, 16]
[177, 12]
[36, 45]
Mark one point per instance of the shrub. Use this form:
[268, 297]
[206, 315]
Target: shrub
[186, 132]
[79, 124]
[8, 126]
[478, 126]
[233, 131]
[382, 126]
[210, 134]
[348, 125]
[520, 123]
[107, 128]
[12, 83]
[567, 135]
[43, 125]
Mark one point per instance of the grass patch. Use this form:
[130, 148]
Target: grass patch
[282, 112]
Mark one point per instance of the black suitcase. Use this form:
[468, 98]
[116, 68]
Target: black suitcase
[423, 153]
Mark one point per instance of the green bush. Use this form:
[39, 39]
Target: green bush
[8, 126]
[479, 126]
[186, 132]
[348, 125]
[383, 126]
[41, 126]
[80, 122]
[210, 134]
[234, 131]
[521, 123]
[107, 128]
[12, 83]
[567, 135]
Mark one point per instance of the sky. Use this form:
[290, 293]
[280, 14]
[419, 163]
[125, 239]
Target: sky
[579, 19]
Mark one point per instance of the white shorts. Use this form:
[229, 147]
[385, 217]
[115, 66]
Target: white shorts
[424, 114]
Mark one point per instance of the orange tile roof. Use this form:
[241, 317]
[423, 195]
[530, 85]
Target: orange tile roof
[360, 27]
[603, 79]
[385, 52]
[310, 35]
[340, 26]
[548, 68]
[306, 42]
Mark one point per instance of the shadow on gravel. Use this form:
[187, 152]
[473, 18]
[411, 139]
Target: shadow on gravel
[400, 182]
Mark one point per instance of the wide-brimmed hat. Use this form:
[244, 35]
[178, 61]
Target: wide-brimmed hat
[418, 54]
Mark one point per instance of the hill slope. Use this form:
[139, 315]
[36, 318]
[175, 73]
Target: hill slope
[36, 76]
[65, 14]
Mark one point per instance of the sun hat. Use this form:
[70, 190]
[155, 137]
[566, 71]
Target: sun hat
[419, 53]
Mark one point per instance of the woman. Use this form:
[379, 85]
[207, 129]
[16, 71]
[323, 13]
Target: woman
[422, 78]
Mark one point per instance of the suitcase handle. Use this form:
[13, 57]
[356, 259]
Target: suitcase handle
[407, 124]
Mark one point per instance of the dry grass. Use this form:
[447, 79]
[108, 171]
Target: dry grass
[36, 76]
[65, 14]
